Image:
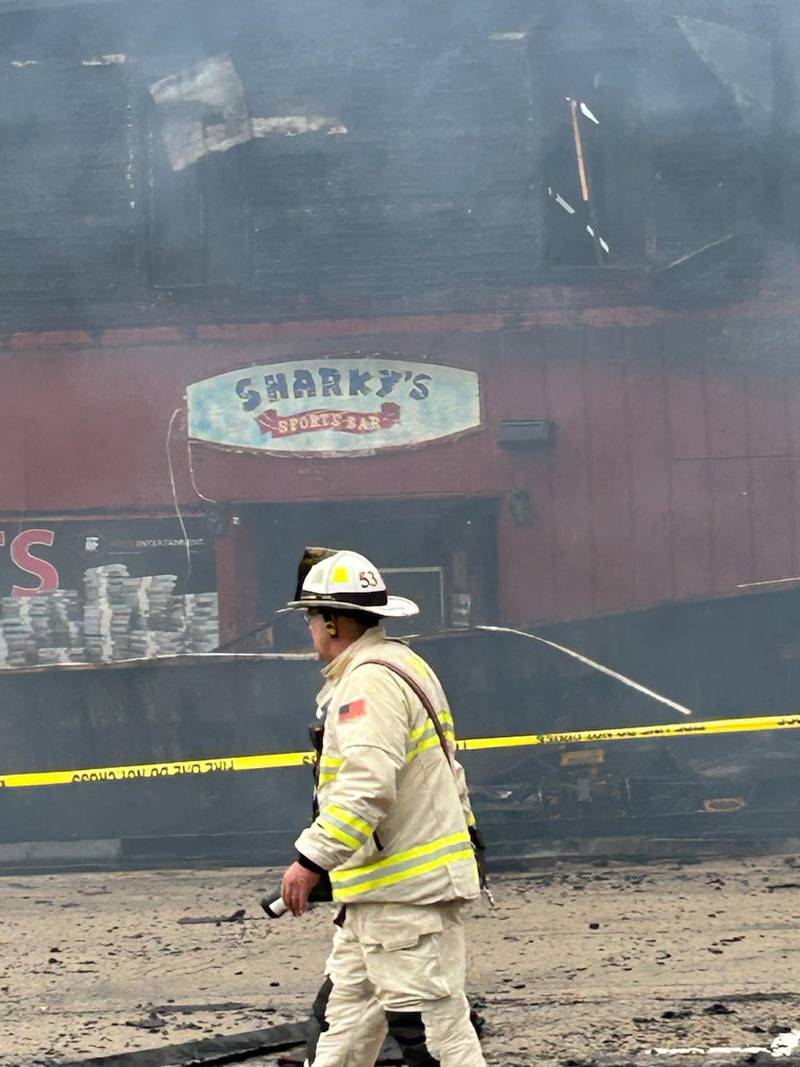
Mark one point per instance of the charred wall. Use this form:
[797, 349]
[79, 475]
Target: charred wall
[183, 162]
[368, 157]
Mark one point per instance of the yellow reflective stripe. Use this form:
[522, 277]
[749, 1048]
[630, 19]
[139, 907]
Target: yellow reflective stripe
[471, 820]
[399, 857]
[429, 731]
[431, 742]
[430, 739]
[329, 768]
[402, 876]
[419, 665]
[345, 816]
[339, 834]
[444, 717]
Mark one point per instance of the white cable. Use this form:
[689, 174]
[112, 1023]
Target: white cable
[592, 663]
[207, 499]
[177, 506]
[770, 581]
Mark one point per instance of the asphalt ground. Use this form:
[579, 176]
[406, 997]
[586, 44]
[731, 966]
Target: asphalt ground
[576, 962]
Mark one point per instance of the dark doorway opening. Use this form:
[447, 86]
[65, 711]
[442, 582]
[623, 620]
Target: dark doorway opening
[441, 553]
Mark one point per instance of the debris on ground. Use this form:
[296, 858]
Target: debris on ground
[551, 988]
[238, 916]
[225, 1048]
[153, 1021]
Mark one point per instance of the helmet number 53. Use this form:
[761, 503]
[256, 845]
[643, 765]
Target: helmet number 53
[368, 579]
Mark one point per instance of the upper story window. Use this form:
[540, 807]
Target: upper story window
[392, 171]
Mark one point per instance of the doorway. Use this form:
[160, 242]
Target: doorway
[442, 553]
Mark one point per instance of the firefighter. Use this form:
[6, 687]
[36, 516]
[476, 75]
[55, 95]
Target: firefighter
[393, 832]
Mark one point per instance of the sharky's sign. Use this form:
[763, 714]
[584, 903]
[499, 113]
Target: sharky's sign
[334, 406]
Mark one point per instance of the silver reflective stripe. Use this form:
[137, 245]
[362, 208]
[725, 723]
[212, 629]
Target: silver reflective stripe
[386, 870]
[446, 720]
[422, 741]
[329, 768]
[346, 827]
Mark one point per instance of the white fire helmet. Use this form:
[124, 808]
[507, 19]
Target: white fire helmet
[348, 581]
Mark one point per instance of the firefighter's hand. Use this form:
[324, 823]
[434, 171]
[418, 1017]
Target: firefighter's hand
[297, 883]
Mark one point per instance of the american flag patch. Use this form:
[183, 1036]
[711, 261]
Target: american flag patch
[354, 710]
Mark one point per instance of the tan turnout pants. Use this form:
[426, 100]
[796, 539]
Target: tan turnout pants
[403, 958]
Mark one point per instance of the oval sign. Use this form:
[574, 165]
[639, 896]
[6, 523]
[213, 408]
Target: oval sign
[334, 406]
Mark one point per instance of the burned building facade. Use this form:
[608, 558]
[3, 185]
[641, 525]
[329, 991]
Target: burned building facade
[501, 295]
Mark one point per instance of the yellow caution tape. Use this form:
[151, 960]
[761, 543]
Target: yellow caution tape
[630, 733]
[136, 771]
[270, 760]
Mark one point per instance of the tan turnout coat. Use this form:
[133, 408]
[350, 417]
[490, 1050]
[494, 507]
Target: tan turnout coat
[394, 816]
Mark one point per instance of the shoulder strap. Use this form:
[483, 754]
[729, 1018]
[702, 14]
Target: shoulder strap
[424, 699]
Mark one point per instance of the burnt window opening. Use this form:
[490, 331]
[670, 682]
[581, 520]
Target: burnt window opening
[595, 169]
[378, 176]
[587, 60]
[197, 233]
[575, 175]
[678, 162]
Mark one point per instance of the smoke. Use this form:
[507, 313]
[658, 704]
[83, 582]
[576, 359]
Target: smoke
[333, 135]
[199, 165]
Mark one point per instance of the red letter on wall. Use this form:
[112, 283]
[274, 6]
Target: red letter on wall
[26, 561]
